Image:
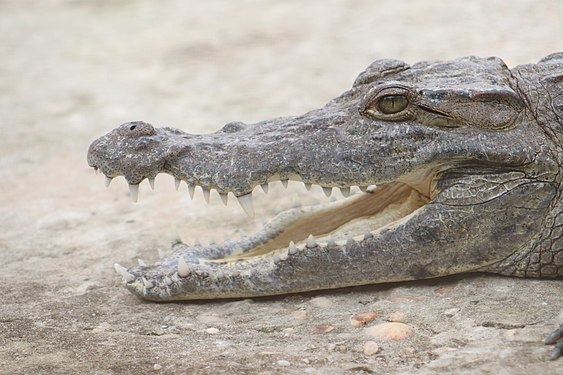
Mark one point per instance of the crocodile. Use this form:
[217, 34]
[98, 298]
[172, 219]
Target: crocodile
[456, 166]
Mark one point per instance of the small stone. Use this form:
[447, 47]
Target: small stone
[212, 330]
[300, 314]
[398, 317]
[370, 348]
[444, 290]
[390, 331]
[157, 367]
[451, 312]
[361, 319]
[283, 363]
[322, 328]
[288, 331]
[408, 350]
[321, 302]
[340, 348]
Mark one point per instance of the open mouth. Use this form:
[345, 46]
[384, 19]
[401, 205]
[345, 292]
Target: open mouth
[359, 216]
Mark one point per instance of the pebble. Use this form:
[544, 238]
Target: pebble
[300, 314]
[157, 367]
[371, 348]
[321, 302]
[212, 330]
[322, 328]
[361, 319]
[398, 317]
[451, 312]
[283, 363]
[390, 331]
[288, 331]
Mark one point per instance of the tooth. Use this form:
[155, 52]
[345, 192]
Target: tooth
[224, 198]
[292, 249]
[363, 188]
[310, 241]
[284, 254]
[206, 193]
[327, 191]
[141, 262]
[183, 268]
[177, 183]
[151, 183]
[134, 192]
[191, 191]
[284, 183]
[96, 170]
[127, 277]
[167, 280]
[245, 202]
[264, 187]
[345, 191]
[148, 284]
[108, 181]
[307, 186]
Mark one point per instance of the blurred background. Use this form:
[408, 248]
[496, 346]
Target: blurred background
[72, 70]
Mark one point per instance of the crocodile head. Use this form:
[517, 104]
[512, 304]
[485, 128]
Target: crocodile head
[461, 160]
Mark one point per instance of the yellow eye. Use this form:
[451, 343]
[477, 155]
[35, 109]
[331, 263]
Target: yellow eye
[390, 104]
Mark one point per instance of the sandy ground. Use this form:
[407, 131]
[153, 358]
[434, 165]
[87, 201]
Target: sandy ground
[72, 70]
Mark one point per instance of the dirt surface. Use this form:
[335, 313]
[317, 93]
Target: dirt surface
[72, 70]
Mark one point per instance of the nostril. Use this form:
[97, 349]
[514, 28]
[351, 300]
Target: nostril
[132, 127]
[233, 127]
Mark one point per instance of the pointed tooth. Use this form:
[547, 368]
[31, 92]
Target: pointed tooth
[284, 254]
[363, 188]
[183, 268]
[177, 183]
[345, 191]
[292, 249]
[308, 186]
[224, 198]
[96, 170]
[148, 284]
[206, 194]
[151, 183]
[167, 280]
[141, 262]
[191, 191]
[127, 277]
[284, 183]
[311, 241]
[245, 202]
[108, 181]
[264, 187]
[134, 192]
[327, 191]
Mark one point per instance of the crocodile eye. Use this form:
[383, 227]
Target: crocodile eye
[390, 104]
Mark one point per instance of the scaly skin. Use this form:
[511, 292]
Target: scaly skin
[467, 156]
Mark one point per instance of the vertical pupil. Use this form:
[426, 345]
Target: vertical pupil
[393, 103]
